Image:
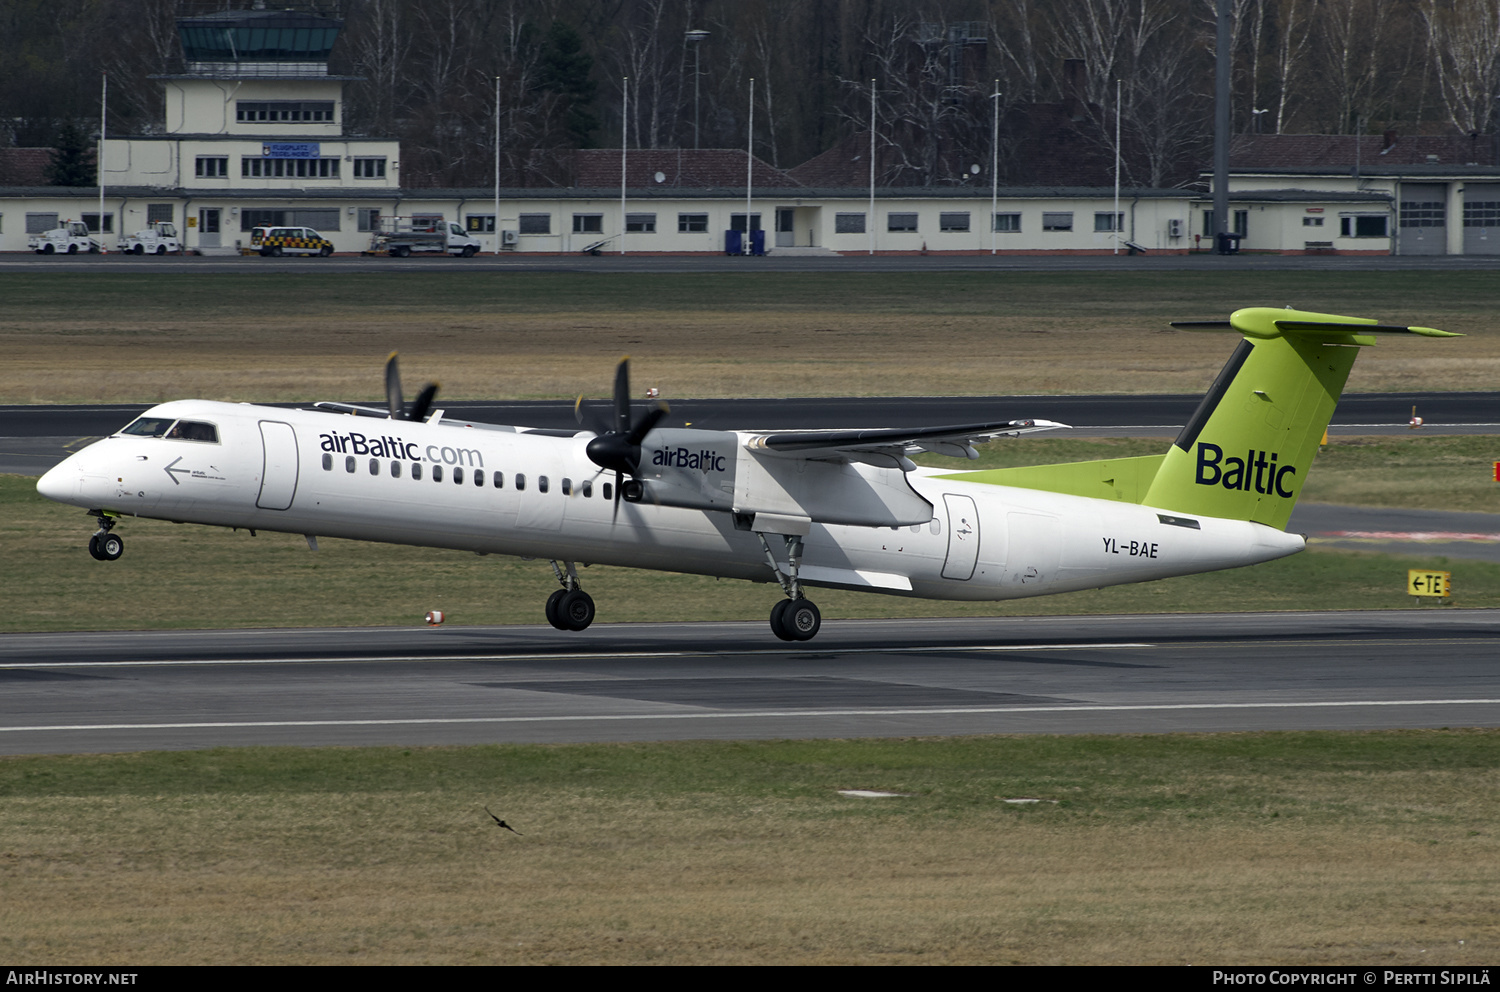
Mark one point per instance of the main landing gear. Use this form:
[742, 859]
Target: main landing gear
[104, 545]
[795, 618]
[569, 608]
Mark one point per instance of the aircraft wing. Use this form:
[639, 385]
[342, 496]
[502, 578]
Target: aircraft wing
[953, 439]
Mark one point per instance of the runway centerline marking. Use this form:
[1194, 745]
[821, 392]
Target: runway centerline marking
[765, 714]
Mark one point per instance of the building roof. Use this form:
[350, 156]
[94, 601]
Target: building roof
[24, 166]
[1256, 152]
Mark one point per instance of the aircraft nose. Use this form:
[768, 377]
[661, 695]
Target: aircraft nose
[60, 482]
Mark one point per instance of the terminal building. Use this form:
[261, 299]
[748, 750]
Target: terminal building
[254, 134]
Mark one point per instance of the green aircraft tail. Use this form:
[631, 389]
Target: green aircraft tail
[1245, 453]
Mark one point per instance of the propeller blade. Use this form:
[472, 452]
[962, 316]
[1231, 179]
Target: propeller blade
[423, 405]
[578, 410]
[615, 515]
[643, 426]
[393, 398]
[622, 395]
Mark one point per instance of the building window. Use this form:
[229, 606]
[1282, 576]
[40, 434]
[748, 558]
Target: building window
[1057, 221]
[212, 167]
[849, 223]
[535, 223]
[737, 222]
[289, 168]
[1108, 222]
[369, 219]
[1241, 222]
[1417, 213]
[1312, 222]
[1365, 226]
[284, 112]
[369, 168]
[1008, 223]
[640, 223]
[1482, 213]
[41, 224]
[157, 212]
[901, 222]
[91, 221]
[588, 223]
[692, 223]
[953, 221]
[480, 223]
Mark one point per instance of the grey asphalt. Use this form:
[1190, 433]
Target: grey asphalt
[108, 692]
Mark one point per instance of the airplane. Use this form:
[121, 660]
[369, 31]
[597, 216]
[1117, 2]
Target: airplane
[845, 509]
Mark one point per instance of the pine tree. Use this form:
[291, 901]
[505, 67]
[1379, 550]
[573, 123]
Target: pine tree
[72, 158]
[565, 71]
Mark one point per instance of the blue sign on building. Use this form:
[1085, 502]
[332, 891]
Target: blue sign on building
[289, 149]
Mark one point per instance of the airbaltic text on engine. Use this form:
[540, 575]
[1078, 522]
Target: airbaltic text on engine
[705, 461]
[355, 443]
[1237, 472]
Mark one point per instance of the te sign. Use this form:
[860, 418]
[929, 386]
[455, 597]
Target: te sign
[1420, 583]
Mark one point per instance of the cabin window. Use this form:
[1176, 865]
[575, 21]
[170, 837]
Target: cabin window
[567, 487]
[458, 475]
[416, 470]
[520, 480]
[437, 473]
[541, 483]
[348, 463]
[395, 470]
[499, 480]
[588, 489]
[607, 494]
[374, 466]
[327, 462]
[479, 477]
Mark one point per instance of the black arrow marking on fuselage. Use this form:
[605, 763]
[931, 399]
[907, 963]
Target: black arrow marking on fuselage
[172, 472]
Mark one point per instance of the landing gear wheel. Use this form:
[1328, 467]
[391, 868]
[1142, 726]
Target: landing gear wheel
[778, 620]
[576, 609]
[553, 616]
[106, 547]
[801, 619]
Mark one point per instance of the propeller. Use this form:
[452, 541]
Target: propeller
[420, 408]
[619, 450]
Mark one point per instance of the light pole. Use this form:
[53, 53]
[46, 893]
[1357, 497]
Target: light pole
[696, 37]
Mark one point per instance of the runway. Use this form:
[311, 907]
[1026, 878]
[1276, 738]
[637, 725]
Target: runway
[110, 692]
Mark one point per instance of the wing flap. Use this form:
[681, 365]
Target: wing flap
[952, 439]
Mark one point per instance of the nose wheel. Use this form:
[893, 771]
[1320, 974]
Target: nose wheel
[106, 546]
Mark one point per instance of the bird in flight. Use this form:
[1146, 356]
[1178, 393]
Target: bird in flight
[502, 823]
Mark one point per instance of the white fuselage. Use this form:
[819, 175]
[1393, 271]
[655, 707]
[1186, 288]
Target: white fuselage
[334, 475]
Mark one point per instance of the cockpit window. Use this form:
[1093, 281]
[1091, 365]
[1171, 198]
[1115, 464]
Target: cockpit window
[181, 430]
[193, 430]
[149, 427]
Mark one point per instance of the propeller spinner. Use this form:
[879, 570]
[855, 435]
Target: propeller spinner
[619, 450]
[420, 408]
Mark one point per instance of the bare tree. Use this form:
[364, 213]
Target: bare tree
[1465, 42]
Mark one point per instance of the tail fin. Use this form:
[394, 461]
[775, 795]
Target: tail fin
[1246, 451]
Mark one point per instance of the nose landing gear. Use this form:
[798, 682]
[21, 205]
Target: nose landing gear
[104, 545]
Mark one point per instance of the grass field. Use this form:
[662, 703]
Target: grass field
[146, 337]
[1367, 848]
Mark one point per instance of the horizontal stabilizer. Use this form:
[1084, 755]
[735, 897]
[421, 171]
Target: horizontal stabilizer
[1268, 322]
